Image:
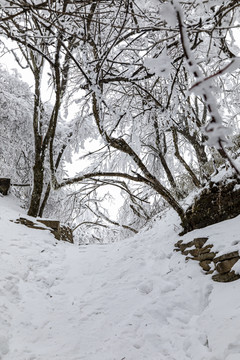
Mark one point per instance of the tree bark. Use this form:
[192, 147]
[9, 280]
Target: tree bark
[38, 168]
[149, 179]
[38, 174]
[182, 161]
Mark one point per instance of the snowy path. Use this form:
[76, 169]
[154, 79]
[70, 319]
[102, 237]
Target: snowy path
[133, 300]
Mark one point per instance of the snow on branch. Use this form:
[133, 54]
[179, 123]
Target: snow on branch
[215, 130]
[233, 65]
[93, 175]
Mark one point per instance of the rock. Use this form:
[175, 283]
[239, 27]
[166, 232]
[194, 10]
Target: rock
[199, 242]
[231, 255]
[4, 185]
[226, 265]
[182, 246]
[178, 243]
[205, 249]
[54, 225]
[197, 252]
[208, 260]
[192, 258]
[231, 276]
[60, 232]
[205, 264]
[194, 252]
[220, 201]
[29, 224]
[207, 256]
[66, 233]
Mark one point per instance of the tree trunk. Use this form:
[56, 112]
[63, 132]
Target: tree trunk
[149, 179]
[182, 161]
[45, 199]
[38, 174]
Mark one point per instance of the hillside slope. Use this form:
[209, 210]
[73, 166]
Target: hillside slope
[132, 300]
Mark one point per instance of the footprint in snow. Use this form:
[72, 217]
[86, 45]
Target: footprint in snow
[3, 252]
[11, 291]
[16, 242]
[232, 357]
[138, 314]
[234, 350]
[168, 287]
[146, 287]
[4, 349]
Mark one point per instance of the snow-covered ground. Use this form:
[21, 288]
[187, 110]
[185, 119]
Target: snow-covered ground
[132, 300]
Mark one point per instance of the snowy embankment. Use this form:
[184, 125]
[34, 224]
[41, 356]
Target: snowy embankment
[132, 300]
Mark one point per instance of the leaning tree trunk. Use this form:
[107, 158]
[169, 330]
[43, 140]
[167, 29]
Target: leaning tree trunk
[149, 179]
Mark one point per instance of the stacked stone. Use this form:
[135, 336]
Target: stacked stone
[211, 263]
[60, 232]
[4, 186]
[220, 201]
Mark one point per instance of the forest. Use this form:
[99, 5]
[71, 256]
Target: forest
[119, 134]
[144, 98]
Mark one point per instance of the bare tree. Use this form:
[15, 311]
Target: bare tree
[131, 69]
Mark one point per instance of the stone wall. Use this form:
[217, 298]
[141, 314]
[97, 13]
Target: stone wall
[4, 186]
[60, 232]
[219, 266]
[217, 202]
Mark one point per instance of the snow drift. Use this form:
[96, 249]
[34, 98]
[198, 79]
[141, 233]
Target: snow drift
[133, 300]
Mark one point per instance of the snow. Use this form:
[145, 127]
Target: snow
[161, 65]
[168, 14]
[224, 236]
[132, 300]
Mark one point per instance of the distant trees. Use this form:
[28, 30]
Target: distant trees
[130, 68]
[16, 138]
[41, 47]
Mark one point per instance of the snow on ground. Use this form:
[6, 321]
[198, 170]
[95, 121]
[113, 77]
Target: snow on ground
[132, 300]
